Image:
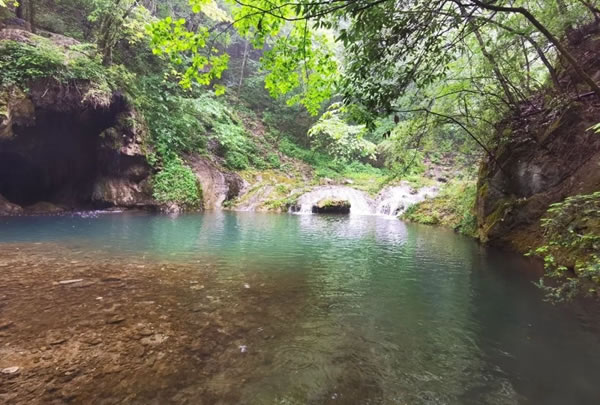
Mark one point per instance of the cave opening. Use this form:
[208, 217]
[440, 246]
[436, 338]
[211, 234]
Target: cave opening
[54, 160]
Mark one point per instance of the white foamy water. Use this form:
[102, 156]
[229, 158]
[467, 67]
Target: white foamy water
[391, 201]
[395, 200]
[360, 202]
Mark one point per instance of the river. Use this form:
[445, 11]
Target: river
[295, 309]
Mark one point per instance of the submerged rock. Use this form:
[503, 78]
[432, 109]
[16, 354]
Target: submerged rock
[10, 370]
[331, 206]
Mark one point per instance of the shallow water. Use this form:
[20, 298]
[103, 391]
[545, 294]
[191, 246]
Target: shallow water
[358, 309]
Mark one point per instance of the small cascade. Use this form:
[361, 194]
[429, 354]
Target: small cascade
[360, 202]
[393, 201]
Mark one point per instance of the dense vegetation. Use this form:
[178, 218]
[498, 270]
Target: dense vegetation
[367, 90]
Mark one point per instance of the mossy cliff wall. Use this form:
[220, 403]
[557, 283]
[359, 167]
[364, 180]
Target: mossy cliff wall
[546, 152]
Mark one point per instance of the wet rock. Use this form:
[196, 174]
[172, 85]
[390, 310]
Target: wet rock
[10, 370]
[44, 207]
[115, 320]
[15, 109]
[111, 279]
[218, 184]
[154, 339]
[6, 325]
[121, 192]
[92, 340]
[56, 340]
[546, 158]
[73, 281]
[8, 208]
[331, 206]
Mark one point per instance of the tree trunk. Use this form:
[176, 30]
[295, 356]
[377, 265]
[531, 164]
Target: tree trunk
[494, 64]
[32, 15]
[593, 9]
[19, 11]
[499, 76]
[535, 45]
[104, 41]
[244, 58]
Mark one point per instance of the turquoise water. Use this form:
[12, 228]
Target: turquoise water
[387, 312]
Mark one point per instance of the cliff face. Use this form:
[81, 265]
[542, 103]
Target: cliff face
[57, 146]
[550, 153]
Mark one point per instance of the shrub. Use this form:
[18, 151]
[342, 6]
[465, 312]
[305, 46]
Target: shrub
[176, 183]
[571, 249]
[453, 208]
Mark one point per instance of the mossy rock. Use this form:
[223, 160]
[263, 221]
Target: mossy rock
[332, 206]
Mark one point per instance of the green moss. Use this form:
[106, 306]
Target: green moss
[333, 203]
[333, 206]
[502, 207]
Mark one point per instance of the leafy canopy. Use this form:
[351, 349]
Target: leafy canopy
[298, 58]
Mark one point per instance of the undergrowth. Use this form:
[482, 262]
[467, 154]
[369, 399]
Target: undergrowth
[453, 208]
[177, 183]
[571, 249]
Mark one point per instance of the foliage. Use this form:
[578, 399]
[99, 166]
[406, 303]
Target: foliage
[571, 247]
[185, 49]
[176, 183]
[171, 118]
[300, 58]
[21, 62]
[223, 126]
[453, 208]
[338, 139]
[115, 20]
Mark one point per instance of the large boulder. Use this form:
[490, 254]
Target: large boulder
[331, 206]
[218, 184]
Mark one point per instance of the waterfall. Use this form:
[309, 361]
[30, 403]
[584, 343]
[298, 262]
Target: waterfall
[396, 199]
[391, 201]
[360, 202]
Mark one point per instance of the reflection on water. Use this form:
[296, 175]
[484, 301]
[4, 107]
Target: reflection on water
[384, 312]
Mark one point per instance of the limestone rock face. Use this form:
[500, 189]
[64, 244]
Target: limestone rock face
[44, 207]
[75, 145]
[551, 156]
[15, 109]
[8, 208]
[60, 146]
[218, 184]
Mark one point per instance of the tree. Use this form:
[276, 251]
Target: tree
[116, 20]
[342, 141]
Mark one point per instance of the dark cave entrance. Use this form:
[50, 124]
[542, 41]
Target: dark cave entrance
[55, 160]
